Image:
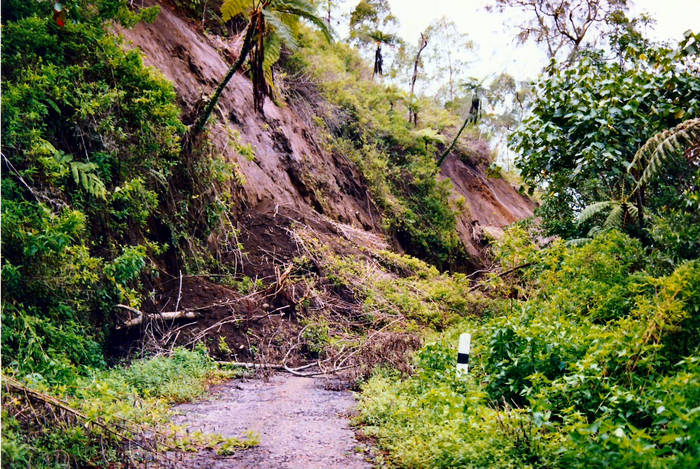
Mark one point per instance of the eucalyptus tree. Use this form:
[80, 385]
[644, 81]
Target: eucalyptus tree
[446, 57]
[564, 27]
[372, 23]
[271, 24]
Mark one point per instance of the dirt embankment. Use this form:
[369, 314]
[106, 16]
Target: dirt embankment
[491, 203]
[291, 175]
[290, 184]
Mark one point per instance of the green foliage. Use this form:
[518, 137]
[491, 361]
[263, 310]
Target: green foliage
[134, 400]
[95, 184]
[662, 146]
[178, 378]
[597, 366]
[398, 161]
[398, 286]
[589, 121]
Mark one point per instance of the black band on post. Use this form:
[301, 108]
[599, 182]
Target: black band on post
[463, 358]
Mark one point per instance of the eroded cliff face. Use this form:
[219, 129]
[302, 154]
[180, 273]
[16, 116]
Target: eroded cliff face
[291, 179]
[491, 204]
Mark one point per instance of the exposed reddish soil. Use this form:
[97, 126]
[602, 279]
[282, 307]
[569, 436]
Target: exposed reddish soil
[290, 171]
[291, 174]
[492, 203]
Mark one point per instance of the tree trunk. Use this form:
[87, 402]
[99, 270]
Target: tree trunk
[412, 113]
[204, 117]
[260, 89]
[454, 142]
[452, 92]
[378, 60]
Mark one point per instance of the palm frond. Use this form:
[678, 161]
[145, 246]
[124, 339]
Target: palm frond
[662, 146]
[233, 8]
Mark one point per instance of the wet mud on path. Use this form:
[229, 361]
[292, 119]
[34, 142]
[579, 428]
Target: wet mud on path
[301, 422]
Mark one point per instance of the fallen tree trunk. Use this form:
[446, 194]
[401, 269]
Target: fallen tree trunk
[138, 320]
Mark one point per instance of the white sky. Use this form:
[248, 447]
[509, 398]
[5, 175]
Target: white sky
[494, 34]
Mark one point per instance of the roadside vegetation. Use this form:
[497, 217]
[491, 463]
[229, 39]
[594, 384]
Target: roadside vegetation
[585, 328]
[589, 355]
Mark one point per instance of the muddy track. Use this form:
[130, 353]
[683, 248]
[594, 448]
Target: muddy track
[302, 424]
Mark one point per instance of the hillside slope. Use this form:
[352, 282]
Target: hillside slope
[292, 177]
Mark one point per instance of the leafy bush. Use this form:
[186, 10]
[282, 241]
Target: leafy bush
[133, 400]
[597, 366]
[588, 122]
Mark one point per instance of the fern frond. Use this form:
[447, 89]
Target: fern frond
[593, 232]
[593, 209]
[281, 29]
[84, 176]
[272, 51]
[304, 9]
[615, 217]
[659, 148]
[577, 242]
[233, 8]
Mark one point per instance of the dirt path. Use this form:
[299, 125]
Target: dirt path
[301, 423]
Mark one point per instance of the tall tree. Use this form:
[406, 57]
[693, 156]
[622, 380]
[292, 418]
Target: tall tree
[563, 26]
[372, 23]
[588, 121]
[413, 112]
[270, 24]
[445, 57]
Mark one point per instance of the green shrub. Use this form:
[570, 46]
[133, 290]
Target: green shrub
[596, 366]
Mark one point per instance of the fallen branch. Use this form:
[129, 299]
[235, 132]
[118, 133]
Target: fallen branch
[252, 365]
[138, 320]
[294, 371]
[502, 274]
[57, 403]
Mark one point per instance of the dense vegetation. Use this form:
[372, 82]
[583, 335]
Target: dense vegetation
[590, 357]
[586, 353]
[93, 190]
[594, 363]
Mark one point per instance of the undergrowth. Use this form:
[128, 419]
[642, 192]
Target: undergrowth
[97, 197]
[592, 363]
[118, 417]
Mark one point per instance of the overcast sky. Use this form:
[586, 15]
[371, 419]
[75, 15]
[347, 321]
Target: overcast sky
[493, 34]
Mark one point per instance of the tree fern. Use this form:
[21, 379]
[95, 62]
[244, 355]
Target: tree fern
[594, 209]
[653, 155]
[269, 26]
[233, 8]
[616, 216]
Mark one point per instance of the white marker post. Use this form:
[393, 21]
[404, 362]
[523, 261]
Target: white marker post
[463, 354]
